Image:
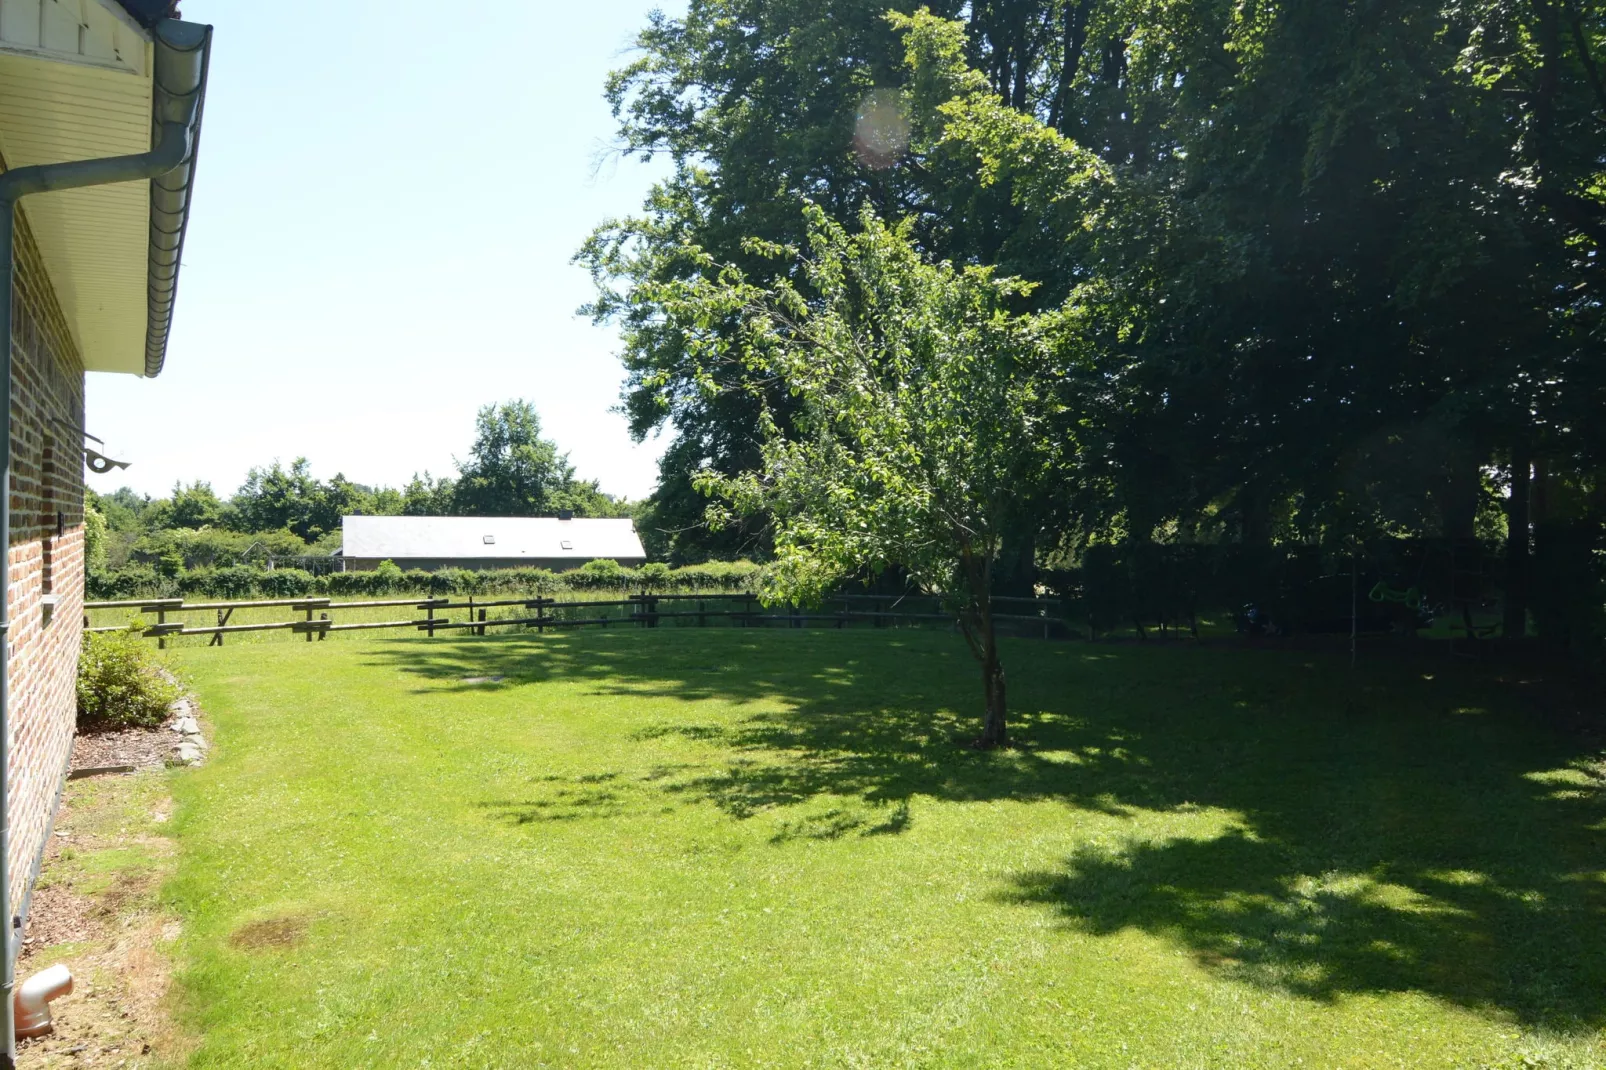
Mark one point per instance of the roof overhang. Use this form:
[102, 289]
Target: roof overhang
[84, 79]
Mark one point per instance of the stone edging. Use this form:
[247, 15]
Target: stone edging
[185, 722]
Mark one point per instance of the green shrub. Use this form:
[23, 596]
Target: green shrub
[380, 581]
[237, 581]
[130, 581]
[286, 583]
[715, 576]
[121, 683]
[654, 576]
[603, 572]
[455, 581]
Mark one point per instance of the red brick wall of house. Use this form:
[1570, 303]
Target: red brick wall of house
[47, 553]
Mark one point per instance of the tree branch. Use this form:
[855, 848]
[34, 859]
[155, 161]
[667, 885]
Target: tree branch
[1576, 23]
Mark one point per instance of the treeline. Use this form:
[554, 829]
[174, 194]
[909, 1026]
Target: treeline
[249, 581]
[1303, 277]
[285, 515]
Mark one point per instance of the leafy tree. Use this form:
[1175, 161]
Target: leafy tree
[275, 497]
[121, 513]
[511, 470]
[193, 506]
[586, 498]
[1336, 260]
[94, 536]
[340, 497]
[427, 496]
[122, 508]
[387, 501]
[763, 104]
[919, 429]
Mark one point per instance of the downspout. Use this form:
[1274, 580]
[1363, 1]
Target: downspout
[180, 67]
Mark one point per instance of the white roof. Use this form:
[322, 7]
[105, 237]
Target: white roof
[510, 537]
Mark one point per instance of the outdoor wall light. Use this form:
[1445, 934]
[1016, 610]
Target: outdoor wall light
[100, 463]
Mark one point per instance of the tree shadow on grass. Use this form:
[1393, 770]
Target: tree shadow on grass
[1394, 831]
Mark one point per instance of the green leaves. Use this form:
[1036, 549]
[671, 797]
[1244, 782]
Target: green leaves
[918, 435]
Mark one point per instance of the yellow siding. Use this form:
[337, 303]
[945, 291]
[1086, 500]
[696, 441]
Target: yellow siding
[95, 242]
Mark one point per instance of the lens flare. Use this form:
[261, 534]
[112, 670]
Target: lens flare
[881, 130]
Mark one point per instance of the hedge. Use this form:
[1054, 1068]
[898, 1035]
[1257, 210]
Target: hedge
[254, 581]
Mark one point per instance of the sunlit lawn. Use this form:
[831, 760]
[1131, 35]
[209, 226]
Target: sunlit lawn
[719, 847]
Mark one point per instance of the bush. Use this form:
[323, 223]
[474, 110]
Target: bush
[715, 576]
[121, 684]
[454, 581]
[286, 583]
[130, 581]
[603, 572]
[654, 576]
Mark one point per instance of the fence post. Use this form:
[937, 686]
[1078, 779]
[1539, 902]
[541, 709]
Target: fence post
[652, 610]
[309, 622]
[482, 622]
[223, 616]
[540, 616]
[429, 606]
[161, 618]
[324, 631]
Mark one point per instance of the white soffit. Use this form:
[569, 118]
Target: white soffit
[75, 85]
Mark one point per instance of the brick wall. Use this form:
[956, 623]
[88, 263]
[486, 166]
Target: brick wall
[47, 553]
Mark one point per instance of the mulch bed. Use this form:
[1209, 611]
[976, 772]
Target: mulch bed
[139, 747]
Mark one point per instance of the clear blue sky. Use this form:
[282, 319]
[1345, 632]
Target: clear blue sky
[388, 197]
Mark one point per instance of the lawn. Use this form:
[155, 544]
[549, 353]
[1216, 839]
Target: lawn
[717, 847]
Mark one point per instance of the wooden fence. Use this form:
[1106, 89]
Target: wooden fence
[312, 616]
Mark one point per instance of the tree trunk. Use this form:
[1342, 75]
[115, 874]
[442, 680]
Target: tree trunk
[994, 732]
[1070, 61]
[1515, 623]
[983, 640]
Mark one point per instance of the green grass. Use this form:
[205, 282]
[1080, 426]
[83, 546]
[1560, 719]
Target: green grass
[726, 848]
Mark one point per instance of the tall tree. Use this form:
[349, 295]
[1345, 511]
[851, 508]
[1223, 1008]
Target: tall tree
[194, 506]
[763, 104]
[511, 470]
[276, 497]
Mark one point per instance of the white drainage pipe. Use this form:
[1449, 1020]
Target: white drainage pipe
[33, 1000]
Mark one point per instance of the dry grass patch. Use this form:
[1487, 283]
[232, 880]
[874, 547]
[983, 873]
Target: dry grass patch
[269, 934]
[96, 909]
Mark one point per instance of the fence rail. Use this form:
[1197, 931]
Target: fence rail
[445, 614]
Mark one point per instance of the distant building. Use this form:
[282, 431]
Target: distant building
[434, 542]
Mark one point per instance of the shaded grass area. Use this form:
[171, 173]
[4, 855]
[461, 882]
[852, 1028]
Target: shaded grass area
[729, 848]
